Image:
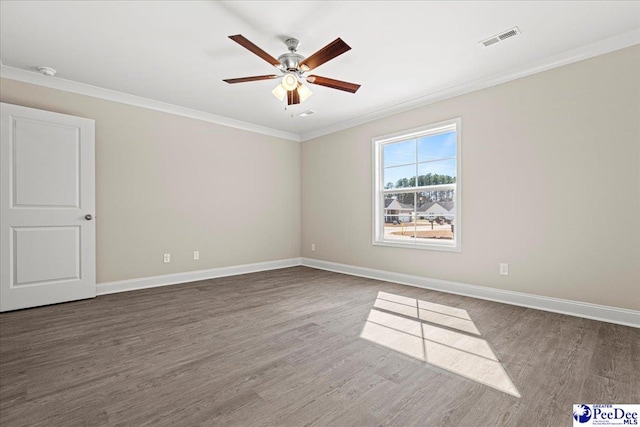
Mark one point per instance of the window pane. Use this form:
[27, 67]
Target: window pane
[402, 232]
[400, 176]
[398, 216]
[399, 153]
[435, 215]
[437, 146]
[406, 217]
[399, 206]
[438, 172]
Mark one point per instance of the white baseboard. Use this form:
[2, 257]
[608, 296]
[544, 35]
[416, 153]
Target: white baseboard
[192, 276]
[573, 308]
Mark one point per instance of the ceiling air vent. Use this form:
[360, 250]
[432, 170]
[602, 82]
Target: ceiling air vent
[499, 37]
[306, 113]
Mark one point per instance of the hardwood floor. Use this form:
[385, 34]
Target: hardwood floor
[284, 348]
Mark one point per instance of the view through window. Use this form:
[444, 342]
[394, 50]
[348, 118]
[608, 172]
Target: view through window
[417, 187]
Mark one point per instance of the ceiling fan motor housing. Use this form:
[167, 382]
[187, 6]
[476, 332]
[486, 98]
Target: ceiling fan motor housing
[290, 61]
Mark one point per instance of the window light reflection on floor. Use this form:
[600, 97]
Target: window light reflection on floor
[413, 333]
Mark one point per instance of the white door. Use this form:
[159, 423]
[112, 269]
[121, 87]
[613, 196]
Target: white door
[47, 204]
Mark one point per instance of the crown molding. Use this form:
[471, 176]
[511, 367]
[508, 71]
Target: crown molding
[568, 57]
[565, 58]
[138, 101]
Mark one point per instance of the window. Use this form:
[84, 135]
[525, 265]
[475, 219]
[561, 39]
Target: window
[416, 199]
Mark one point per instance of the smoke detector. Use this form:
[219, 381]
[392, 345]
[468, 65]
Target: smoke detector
[511, 32]
[47, 71]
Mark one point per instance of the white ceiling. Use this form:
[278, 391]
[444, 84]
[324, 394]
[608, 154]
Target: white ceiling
[178, 52]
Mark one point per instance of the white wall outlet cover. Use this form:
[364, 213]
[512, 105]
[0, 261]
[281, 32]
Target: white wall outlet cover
[196, 255]
[167, 258]
[504, 269]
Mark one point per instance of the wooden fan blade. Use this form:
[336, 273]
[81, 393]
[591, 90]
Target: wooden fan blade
[244, 42]
[293, 97]
[327, 53]
[334, 84]
[251, 79]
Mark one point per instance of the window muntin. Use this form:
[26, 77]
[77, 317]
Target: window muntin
[417, 188]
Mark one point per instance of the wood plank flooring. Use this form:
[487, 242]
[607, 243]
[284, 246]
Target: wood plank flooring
[284, 348]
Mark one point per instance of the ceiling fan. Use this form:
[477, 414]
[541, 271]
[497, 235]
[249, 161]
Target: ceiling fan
[293, 68]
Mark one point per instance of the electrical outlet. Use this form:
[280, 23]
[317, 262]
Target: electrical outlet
[196, 255]
[313, 247]
[504, 269]
[167, 258]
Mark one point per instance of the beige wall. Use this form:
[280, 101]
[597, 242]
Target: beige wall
[556, 154]
[166, 183]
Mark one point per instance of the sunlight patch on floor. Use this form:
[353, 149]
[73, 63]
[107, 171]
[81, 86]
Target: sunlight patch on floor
[434, 313]
[462, 354]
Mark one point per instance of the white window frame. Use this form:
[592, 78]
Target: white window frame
[379, 191]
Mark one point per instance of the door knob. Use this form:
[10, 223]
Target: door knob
[88, 217]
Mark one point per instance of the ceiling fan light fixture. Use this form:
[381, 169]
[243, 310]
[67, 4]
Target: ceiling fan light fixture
[289, 81]
[304, 92]
[279, 92]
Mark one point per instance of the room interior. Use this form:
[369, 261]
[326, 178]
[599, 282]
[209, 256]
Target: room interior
[291, 314]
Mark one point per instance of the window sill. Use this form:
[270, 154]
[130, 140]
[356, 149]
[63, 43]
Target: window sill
[455, 247]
